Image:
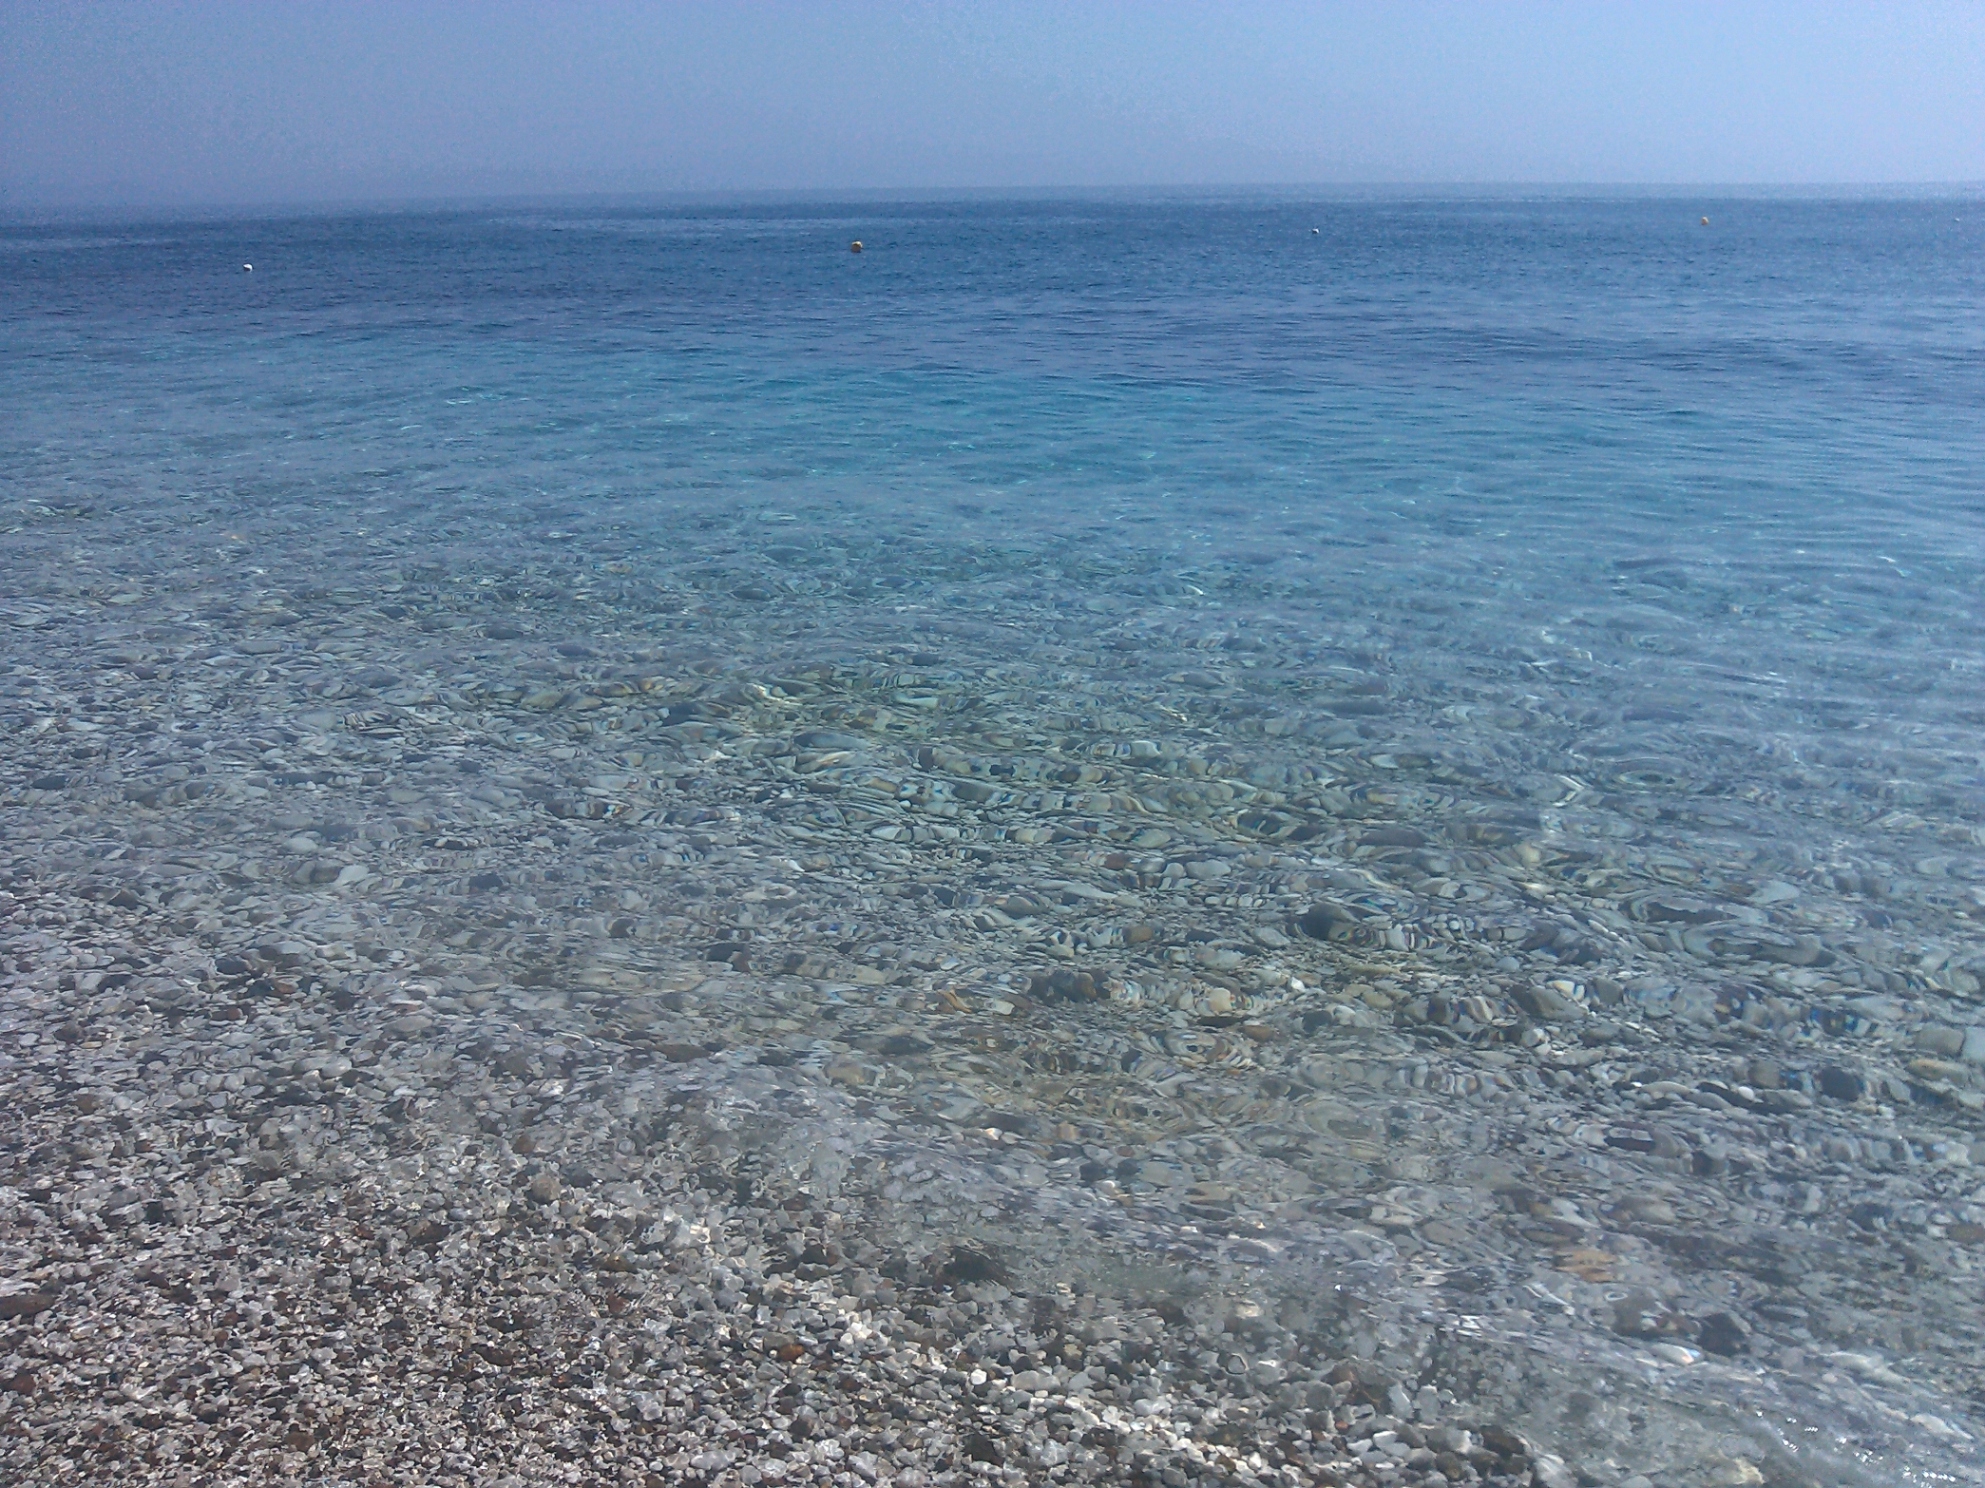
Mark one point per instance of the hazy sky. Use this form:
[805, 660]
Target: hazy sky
[287, 100]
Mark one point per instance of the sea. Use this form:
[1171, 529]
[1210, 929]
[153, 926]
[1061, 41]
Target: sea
[1425, 750]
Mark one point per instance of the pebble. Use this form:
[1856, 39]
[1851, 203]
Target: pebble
[1545, 1004]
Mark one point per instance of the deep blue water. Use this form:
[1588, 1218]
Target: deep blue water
[1689, 517]
[1519, 342]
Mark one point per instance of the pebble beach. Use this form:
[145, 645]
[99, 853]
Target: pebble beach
[761, 988]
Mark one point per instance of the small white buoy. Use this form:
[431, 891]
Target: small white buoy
[1318, 231]
[1705, 222]
[856, 246]
[248, 268]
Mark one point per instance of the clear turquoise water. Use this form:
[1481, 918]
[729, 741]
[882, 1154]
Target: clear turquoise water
[1551, 410]
[1675, 531]
[1728, 476]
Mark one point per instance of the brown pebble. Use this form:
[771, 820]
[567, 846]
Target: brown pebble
[428, 1232]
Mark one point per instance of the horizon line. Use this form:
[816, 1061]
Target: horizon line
[32, 207]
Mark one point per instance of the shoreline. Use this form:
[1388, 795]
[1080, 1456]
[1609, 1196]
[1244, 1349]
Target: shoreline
[339, 1288]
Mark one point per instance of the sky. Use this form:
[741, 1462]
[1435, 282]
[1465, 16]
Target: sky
[211, 102]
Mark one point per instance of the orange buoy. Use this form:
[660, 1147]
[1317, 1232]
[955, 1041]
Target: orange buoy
[856, 246]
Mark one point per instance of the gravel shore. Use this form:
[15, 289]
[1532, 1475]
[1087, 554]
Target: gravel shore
[362, 1276]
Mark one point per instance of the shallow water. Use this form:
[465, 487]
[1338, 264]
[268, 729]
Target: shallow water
[1401, 776]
